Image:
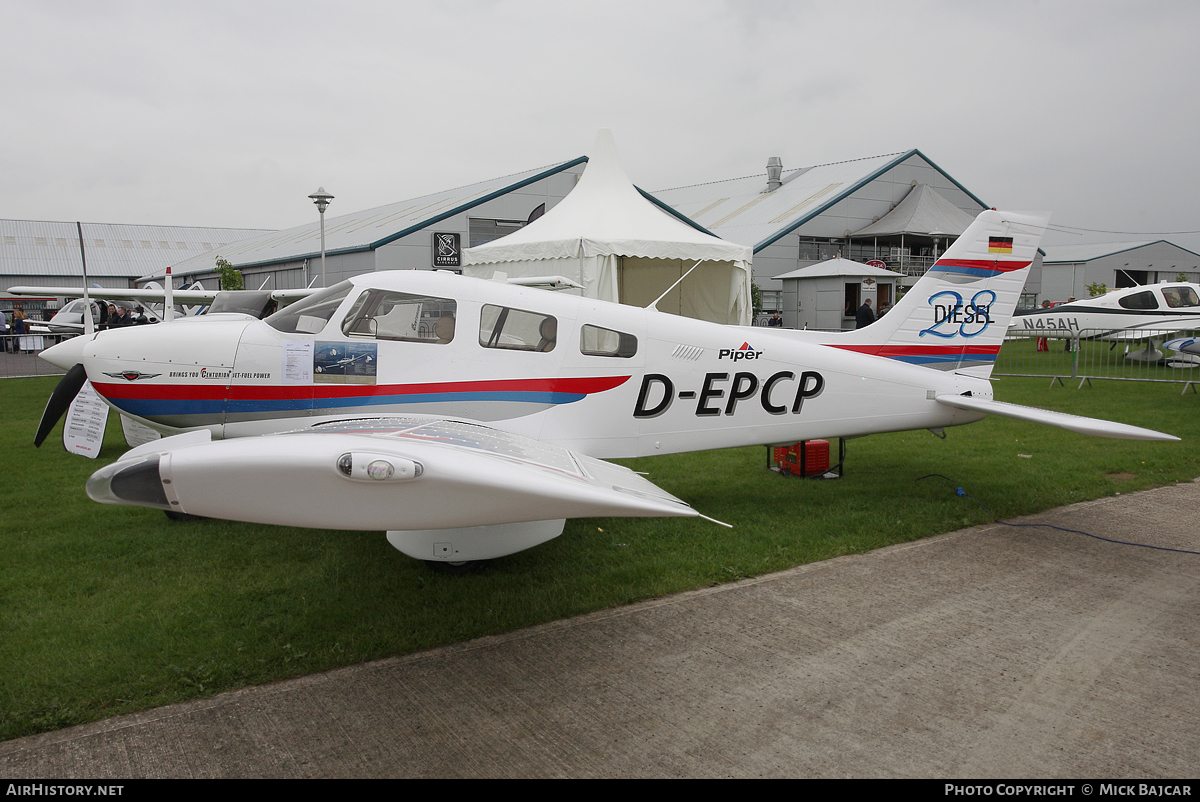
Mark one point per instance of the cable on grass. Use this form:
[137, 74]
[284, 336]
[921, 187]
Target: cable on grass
[963, 493]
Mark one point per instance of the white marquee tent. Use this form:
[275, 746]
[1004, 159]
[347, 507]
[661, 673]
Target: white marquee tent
[621, 247]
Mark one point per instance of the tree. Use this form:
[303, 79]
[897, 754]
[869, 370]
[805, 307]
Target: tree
[1097, 288]
[231, 279]
[756, 299]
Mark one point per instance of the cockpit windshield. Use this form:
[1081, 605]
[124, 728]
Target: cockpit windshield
[309, 316]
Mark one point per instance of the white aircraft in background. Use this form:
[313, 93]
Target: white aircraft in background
[483, 416]
[1130, 314]
[69, 319]
[257, 303]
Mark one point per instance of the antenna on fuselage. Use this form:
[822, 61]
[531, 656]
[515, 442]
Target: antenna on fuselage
[654, 305]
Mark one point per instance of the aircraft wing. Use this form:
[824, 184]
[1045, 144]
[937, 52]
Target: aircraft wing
[1062, 420]
[1139, 335]
[108, 293]
[288, 296]
[179, 296]
[394, 473]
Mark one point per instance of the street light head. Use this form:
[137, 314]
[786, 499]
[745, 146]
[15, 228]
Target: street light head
[321, 198]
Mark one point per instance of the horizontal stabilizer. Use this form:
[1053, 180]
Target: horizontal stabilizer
[1073, 423]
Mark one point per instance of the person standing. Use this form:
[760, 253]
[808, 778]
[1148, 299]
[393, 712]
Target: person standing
[1043, 344]
[20, 327]
[864, 316]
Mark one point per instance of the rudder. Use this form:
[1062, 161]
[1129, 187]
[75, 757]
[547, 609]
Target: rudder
[955, 317]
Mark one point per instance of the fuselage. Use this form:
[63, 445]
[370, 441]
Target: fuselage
[1156, 307]
[601, 378]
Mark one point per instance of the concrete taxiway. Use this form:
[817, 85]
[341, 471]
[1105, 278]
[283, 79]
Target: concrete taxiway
[989, 652]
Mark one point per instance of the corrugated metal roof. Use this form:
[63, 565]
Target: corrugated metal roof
[742, 211]
[370, 228]
[47, 248]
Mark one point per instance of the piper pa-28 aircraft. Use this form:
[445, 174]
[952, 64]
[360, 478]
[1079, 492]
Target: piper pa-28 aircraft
[482, 416]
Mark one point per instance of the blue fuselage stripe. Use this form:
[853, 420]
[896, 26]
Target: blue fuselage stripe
[153, 408]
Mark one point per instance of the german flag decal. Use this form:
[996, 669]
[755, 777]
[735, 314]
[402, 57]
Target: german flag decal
[1000, 244]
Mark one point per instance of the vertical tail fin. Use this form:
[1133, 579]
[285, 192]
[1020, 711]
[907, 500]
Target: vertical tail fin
[956, 315]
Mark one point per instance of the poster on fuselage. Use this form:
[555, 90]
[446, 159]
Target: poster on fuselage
[345, 362]
[83, 431]
[297, 362]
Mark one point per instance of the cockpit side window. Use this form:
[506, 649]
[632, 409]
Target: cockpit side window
[1139, 300]
[595, 341]
[391, 315]
[1181, 297]
[309, 315]
[517, 329]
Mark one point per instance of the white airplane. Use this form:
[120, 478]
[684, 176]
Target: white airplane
[482, 419]
[257, 303]
[69, 319]
[1118, 315]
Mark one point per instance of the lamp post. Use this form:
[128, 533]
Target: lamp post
[322, 198]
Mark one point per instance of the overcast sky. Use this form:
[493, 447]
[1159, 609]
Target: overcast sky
[231, 114]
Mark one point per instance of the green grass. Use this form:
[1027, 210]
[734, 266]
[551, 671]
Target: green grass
[107, 610]
[1094, 358]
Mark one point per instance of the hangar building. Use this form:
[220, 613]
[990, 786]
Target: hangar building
[1067, 270]
[790, 218]
[45, 253]
[427, 233]
[899, 209]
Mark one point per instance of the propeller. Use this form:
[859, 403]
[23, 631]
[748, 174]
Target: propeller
[68, 351]
[60, 401]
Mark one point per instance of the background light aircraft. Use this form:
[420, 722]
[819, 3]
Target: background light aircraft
[257, 303]
[482, 417]
[1166, 307]
[1185, 345]
[69, 319]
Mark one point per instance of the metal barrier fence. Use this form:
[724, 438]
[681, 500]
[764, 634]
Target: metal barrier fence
[19, 356]
[1129, 355]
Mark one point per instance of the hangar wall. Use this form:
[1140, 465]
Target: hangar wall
[1069, 270]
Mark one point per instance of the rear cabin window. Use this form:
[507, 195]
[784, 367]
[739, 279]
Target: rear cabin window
[1180, 297]
[517, 329]
[389, 315]
[595, 341]
[1139, 300]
